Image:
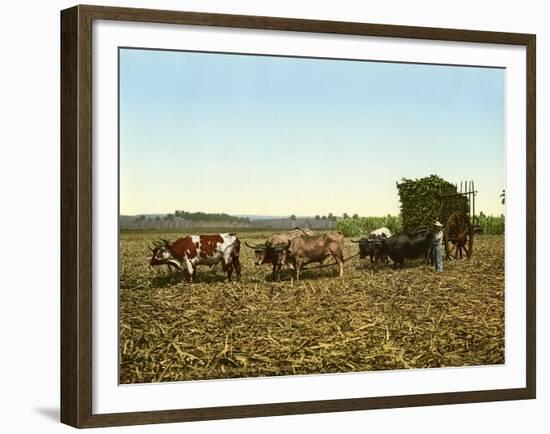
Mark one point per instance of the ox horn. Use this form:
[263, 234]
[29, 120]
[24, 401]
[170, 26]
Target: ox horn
[281, 247]
[259, 246]
[356, 241]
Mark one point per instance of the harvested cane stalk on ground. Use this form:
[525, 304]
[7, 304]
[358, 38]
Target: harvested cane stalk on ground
[375, 318]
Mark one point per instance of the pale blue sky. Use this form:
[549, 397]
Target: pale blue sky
[269, 135]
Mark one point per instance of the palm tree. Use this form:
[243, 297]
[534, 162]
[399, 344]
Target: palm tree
[503, 196]
[140, 219]
[169, 218]
[293, 220]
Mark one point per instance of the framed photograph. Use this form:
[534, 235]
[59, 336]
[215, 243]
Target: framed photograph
[268, 216]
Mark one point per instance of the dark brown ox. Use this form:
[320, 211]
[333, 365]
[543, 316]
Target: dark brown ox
[371, 245]
[188, 252]
[273, 251]
[306, 249]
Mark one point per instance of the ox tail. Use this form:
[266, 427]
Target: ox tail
[236, 250]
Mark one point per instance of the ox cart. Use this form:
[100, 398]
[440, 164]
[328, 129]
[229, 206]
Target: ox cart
[460, 224]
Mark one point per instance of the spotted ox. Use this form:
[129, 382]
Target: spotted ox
[188, 252]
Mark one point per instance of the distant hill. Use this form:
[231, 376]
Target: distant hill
[287, 223]
[253, 217]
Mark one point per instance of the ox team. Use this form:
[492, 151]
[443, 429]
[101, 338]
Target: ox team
[188, 252]
[294, 249]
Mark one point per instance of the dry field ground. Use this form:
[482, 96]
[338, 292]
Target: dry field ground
[374, 318]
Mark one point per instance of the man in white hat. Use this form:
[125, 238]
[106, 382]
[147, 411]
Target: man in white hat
[438, 247]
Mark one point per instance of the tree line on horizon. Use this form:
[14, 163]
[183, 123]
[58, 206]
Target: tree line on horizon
[195, 216]
[223, 217]
[421, 203]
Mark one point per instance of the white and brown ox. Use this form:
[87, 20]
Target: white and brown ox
[306, 249]
[273, 251]
[188, 252]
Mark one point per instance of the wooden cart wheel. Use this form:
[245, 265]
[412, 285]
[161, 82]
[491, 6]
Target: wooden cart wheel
[459, 236]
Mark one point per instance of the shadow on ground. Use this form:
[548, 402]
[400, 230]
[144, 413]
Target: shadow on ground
[50, 413]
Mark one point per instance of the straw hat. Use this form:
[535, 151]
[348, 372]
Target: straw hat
[439, 225]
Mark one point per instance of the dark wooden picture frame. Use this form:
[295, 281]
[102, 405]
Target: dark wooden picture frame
[76, 215]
